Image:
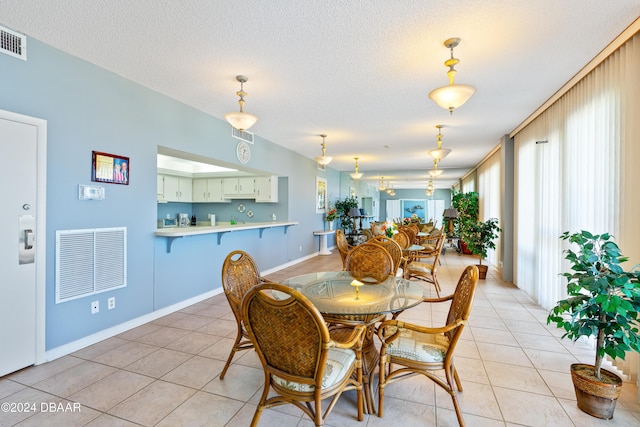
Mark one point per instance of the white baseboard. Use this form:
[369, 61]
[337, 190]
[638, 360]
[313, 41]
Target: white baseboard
[74, 346]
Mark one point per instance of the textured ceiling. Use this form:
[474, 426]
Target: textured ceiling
[358, 71]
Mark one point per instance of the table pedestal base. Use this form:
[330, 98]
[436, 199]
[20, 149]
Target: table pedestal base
[324, 250]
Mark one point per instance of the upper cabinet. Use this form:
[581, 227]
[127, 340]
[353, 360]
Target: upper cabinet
[208, 190]
[239, 188]
[174, 189]
[266, 189]
[263, 189]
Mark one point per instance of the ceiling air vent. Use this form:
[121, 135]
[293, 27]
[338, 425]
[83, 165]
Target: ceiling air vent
[242, 135]
[12, 43]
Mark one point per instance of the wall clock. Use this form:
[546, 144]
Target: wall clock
[243, 152]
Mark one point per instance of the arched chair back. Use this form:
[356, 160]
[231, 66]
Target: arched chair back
[369, 263]
[402, 238]
[343, 246]
[302, 364]
[394, 250]
[239, 274]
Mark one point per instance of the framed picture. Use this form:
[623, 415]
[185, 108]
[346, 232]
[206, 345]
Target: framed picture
[321, 195]
[109, 168]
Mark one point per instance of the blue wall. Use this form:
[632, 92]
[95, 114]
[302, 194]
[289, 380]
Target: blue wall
[88, 108]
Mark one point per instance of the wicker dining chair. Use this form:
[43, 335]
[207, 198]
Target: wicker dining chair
[426, 271]
[369, 263]
[394, 249]
[411, 232]
[302, 364]
[239, 274]
[343, 246]
[408, 350]
[402, 238]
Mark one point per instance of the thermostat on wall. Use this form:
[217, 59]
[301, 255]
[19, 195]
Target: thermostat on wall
[90, 192]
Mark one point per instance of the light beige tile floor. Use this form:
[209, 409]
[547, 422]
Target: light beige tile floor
[514, 370]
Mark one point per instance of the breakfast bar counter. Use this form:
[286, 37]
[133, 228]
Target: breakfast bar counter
[220, 229]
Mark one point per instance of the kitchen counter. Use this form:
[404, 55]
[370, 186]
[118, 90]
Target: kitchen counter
[220, 229]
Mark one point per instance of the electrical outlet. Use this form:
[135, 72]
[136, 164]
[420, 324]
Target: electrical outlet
[95, 307]
[111, 303]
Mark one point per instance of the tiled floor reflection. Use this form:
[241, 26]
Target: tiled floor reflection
[514, 371]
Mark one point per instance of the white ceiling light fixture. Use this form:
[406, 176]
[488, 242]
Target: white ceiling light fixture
[241, 120]
[435, 172]
[324, 159]
[439, 153]
[452, 96]
[356, 174]
[382, 187]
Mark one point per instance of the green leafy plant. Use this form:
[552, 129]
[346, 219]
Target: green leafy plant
[468, 207]
[480, 236]
[343, 207]
[603, 300]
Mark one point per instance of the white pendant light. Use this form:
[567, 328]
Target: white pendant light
[241, 120]
[382, 187]
[356, 174]
[324, 159]
[439, 153]
[453, 95]
[435, 172]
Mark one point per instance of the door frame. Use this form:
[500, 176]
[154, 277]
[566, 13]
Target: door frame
[41, 225]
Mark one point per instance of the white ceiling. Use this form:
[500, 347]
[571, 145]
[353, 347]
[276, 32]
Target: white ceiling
[358, 71]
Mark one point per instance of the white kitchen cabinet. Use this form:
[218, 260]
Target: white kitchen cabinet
[239, 188]
[266, 189]
[208, 190]
[177, 188]
[160, 192]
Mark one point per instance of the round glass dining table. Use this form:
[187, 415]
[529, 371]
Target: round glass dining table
[344, 301]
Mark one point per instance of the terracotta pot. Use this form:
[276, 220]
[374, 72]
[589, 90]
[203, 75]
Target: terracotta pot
[463, 247]
[482, 271]
[594, 397]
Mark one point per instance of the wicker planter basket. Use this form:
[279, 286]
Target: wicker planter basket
[594, 397]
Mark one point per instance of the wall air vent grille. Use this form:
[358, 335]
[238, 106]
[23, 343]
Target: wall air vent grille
[90, 261]
[13, 44]
[242, 135]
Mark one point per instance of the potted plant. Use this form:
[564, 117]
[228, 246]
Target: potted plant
[343, 207]
[468, 206]
[330, 216]
[480, 237]
[603, 301]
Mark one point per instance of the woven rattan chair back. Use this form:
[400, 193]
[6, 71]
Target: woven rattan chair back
[462, 301]
[402, 238]
[367, 233]
[411, 233]
[292, 341]
[369, 263]
[239, 274]
[343, 246]
[392, 247]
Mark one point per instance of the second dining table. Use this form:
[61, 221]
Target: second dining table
[343, 302]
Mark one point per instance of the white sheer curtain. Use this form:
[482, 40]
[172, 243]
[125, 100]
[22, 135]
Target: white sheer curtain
[584, 177]
[489, 189]
[469, 182]
[578, 179]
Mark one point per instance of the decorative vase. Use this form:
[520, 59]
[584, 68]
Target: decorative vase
[330, 225]
[594, 397]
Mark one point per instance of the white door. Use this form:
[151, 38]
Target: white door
[18, 288]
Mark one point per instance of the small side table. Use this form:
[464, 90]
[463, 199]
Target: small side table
[323, 240]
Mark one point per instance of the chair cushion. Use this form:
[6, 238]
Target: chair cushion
[339, 362]
[411, 345]
[419, 268]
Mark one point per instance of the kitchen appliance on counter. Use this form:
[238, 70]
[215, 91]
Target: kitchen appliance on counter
[184, 220]
[167, 223]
